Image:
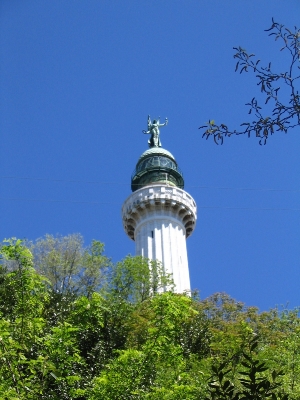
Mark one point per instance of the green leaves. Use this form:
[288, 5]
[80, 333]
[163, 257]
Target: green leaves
[248, 383]
[69, 266]
[135, 279]
[126, 378]
[131, 340]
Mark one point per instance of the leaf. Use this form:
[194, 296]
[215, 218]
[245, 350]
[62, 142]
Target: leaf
[247, 357]
[246, 365]
[262, 368]
[215, 369]
[223, 365]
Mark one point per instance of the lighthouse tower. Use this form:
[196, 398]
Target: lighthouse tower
[159, 215]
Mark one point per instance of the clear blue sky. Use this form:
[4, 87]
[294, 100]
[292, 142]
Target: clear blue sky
[77, 81]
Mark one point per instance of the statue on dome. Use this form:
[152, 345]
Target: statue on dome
[153, 130]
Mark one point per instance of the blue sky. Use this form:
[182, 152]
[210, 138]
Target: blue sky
[77, 81]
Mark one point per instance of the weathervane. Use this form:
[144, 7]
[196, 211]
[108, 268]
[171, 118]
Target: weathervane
[153, 130]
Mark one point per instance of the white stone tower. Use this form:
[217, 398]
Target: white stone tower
[159, 215]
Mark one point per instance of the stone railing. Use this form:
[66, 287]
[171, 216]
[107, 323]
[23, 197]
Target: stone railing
[159, 197]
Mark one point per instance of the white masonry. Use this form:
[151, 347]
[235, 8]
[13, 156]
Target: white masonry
[159, 218]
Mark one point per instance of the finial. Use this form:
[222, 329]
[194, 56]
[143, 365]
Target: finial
[153, 130]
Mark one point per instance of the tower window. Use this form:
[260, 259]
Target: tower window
[152, 234]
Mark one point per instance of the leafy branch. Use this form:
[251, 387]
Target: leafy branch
[284, 115]
[251, 384]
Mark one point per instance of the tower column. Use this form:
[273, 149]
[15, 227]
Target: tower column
[159, 215]
[160, 218]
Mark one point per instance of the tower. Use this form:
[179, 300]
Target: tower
[159, 215]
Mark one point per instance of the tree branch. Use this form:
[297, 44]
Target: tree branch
[284, 116]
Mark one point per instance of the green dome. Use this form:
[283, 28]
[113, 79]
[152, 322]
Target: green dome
[156, 165]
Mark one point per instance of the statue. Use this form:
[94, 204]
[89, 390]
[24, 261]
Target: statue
[153, 130]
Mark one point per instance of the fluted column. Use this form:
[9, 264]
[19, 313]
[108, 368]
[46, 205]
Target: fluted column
[159, 218]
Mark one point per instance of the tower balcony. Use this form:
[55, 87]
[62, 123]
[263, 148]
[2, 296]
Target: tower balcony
[159, 201]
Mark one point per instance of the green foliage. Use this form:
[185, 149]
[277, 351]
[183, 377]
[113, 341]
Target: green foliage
[135, 279]
[32, 353]
[126, 378]
[250, 383]
[117, 334]
[69, 266]
[64, 362]
[22, 303]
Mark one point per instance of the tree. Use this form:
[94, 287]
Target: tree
[252, 384]
[68, 265]
[22, 303]
[136, 278]
[127, 340]
[153, 360]
[284, 114]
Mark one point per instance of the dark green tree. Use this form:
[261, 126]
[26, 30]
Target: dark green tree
[250, 383]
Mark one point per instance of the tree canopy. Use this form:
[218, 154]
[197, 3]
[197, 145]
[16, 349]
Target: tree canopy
[123, 338]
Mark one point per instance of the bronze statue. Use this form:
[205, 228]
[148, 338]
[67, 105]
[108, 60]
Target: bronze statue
[153, 130]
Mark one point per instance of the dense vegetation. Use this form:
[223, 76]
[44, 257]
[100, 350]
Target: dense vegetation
[75, 326]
